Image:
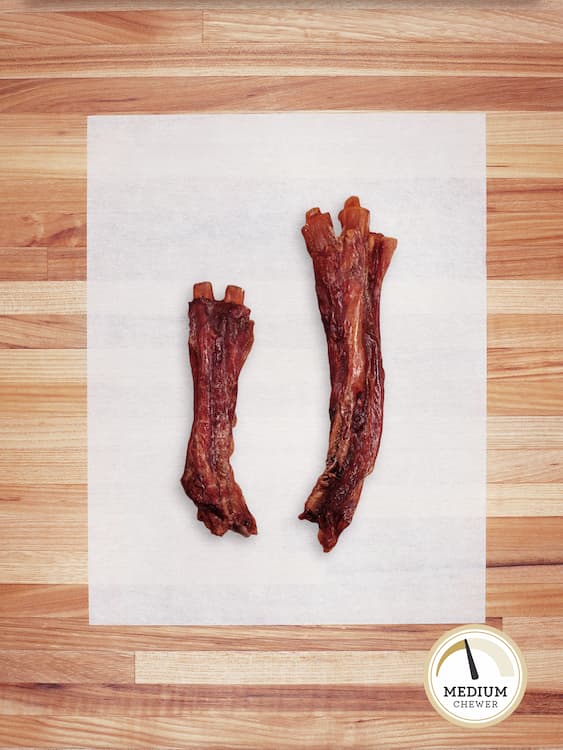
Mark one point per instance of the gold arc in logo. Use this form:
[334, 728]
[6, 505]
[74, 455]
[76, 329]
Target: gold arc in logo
[493, 650]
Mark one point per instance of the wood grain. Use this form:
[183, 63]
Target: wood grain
[132, 27]
[525, 60]
[69, 699]
[42, 332]
[42, 230]
[65, 683]
[457, 25]
[29, 264]
[525, 499]
[534, 591]
[66, 666]
[70, 632]
[123, 95]
[44, 600]
[287, 730]
[275, 667]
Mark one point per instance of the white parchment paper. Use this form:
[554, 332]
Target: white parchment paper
[173, 200]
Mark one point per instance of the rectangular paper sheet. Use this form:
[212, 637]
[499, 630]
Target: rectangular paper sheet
[174, 200]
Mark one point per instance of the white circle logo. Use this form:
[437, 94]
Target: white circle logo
[475, 676]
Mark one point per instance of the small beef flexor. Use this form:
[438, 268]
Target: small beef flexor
[221, 336]
[349, 270]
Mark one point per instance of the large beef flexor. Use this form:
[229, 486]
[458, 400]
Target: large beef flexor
[348, 270]
[221, 336]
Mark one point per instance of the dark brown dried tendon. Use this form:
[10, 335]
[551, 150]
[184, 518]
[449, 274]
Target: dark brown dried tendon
[221, 336]
[349, 270]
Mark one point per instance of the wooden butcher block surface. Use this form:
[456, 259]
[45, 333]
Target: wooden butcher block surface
[65, 684]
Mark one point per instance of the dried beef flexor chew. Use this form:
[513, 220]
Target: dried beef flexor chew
[221, 336]
[349, 270]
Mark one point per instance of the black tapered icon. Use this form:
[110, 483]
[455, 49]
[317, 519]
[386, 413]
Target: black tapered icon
[472, 667]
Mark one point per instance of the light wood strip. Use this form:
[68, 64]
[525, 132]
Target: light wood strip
[525, 433]
[467, 59]
[39, 229]
[520, 362]
[253, 94]
[525, 396]
[64, 399]
[62, 505]
[23, 264]
[69, 633]
[66, 666]
[479, 24]
[274, 667]
[34, 367]
[524, 128]
[522, 160]
[291, 730]
[526, 466]
[42, 331]
[43, 566]
[50, 465]
[96, 27]
[524, 541]
[535, 632]
[39, 432]
[25, 534]
[44, 601]
[520, 296]
[524, 500]
[512, 195]
[519, 591]
[545, 668]
[43, 298]
[530, 331]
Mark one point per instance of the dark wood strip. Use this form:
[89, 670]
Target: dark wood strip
[66, 264]
[511, 195]
[252, 94]
[23, 264]
[66, 666]
[40, 229]
[524, 541]
[151, 700]
[67, 632]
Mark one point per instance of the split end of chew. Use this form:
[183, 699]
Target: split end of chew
[204, 290]
[234, 294]
[318, 230]
[353, 216]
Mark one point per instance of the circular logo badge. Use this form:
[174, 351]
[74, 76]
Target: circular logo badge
[475, 676]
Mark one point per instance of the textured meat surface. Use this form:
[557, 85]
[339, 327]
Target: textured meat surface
[349, 270]
[221, 336]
